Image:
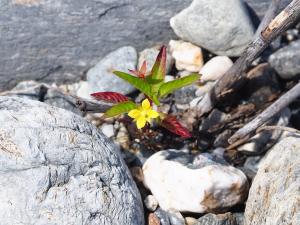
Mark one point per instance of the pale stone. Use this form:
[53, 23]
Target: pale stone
[151, 202]
[180, 184]
[215, 68]
[187, 56]
[108, 130]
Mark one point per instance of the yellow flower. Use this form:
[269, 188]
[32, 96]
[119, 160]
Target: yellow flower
[143, 114]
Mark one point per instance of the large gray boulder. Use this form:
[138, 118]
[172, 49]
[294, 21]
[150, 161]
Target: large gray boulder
[274, 194]
[58, 40]
[56, 168]
[222, 27]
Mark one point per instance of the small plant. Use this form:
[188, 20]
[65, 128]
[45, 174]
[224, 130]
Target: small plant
[154, 87]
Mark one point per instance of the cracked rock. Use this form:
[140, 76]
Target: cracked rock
[57, 168]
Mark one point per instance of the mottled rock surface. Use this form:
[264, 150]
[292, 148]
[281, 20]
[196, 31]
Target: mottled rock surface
[286, 61]
[219, 219]
[58, 40]
[209, 25]
[274, 195]
[181, 182]
[56, 168]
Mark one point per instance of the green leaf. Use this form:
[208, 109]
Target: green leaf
[159, 68]
[120, 108]
[173, 85]
[138, 83]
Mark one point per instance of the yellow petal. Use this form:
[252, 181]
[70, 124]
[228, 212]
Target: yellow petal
[146, 104]
[152, 113]
[134, 113]
[140, 122]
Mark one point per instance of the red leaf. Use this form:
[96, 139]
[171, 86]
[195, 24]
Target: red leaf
[108, 96]
[159, 68]
[141, 72]
[172, 124]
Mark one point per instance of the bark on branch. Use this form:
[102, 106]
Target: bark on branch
[235, 76]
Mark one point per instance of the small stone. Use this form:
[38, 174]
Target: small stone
[149, 55]
[209, 25]
[274, 194]
[215, 68]
[187, 56]
[286, 61]
[100, 77]
[153, 219]
[191, 221]
[108, 130]
[186, 94]
[163, 216]
[151, 202]
[202, 90]
[198, 186]
[219, 219]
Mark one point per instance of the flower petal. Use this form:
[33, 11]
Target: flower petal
[152, 113]
[146, 104]
[140, 122]
[134, 113]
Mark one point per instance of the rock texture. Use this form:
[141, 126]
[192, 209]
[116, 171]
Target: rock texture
[286, 61]
[220, 219]
[209, 25]
[101, 78]
[182, 183]
[58, 40]
[56, 168]
[274, 194]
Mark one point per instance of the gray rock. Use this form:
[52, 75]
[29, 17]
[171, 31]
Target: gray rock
[274, 194]
[101, 78]
[220, 219]
[186, 94]
[58, 40]
[209, 25]
[56, 168]
[149, 55]
[151, 202]
[286, 61]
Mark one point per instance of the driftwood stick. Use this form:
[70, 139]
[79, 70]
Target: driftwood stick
[267, 114]
[268, 17]
[282, 128]
[235, 76]
[92, 107]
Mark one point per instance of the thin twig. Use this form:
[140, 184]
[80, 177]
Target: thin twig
[235, 76]
[267, 114]
[282, 128]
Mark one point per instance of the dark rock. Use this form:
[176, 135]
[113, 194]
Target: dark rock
[286, 61]
[57, 168]
[59, 40]
[186, 94]
[220, 219]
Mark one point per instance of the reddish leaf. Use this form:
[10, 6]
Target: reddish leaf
[172, 124]
[141, 72]
[159, 68]
[108, 96]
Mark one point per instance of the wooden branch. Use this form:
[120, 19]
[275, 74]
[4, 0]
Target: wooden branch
[267, 114]
[91, 106]
[269, 16]
[235, 76]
